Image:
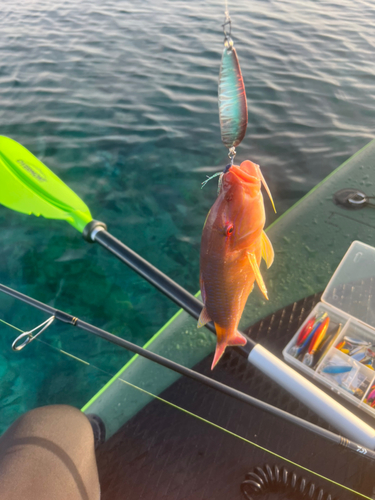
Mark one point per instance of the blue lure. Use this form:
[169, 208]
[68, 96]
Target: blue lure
[232, 97]
[336, 369]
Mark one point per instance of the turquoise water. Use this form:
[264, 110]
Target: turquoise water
[120, 101]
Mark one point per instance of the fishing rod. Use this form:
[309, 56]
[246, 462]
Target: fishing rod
[64, 317]
[28, 186]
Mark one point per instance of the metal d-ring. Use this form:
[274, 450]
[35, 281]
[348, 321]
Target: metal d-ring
[358, 198]
[352, 199]
[29, 337]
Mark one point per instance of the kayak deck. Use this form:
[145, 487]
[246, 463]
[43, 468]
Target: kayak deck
[164, 453]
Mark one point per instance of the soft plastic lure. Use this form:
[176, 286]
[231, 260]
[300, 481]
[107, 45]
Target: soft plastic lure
[232, 96]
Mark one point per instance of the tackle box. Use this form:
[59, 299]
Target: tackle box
[345, 358]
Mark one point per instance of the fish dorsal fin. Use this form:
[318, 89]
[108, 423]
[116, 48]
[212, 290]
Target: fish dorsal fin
[263, 180]
[267, 250]
[204, 318]
[258, 276]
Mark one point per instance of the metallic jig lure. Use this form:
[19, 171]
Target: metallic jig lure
[232, 97]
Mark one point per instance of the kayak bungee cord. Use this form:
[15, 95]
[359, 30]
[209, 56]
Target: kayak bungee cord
[240, 396]
[28, 186]
[370, 454]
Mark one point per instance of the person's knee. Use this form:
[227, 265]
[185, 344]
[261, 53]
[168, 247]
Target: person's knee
[49, 453]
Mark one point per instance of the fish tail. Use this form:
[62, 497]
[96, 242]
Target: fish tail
[226, 337]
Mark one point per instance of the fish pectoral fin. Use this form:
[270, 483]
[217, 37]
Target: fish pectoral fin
[258, 276]
[267, 250]
[204, 318]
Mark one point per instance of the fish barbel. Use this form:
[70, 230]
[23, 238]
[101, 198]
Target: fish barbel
[233, 244]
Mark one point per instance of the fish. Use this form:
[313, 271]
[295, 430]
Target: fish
[232, 246]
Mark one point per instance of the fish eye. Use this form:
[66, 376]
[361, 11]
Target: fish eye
[229, 230]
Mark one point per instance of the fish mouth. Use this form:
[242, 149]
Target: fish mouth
[241, 174]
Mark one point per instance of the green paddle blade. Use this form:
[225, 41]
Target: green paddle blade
[28, 186]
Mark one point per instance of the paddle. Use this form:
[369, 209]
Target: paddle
[28, 186]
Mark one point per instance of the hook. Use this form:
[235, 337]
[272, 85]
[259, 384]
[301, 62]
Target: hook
[29, 335]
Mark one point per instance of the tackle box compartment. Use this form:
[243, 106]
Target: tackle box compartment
[345, 359]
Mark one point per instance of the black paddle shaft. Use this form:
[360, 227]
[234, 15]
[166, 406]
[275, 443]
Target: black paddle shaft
[96, 231]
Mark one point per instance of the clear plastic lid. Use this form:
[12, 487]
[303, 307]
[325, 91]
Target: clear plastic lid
[352, 286]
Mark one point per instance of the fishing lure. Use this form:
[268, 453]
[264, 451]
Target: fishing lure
[232, 96]
[371, 395]
[306, 334]
[329, 341]
[315, 342]
[336, 369]
[359, 355]
[297, 350]
[357, 342]
[305, 331]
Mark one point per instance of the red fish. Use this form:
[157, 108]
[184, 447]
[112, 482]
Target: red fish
[233, 244]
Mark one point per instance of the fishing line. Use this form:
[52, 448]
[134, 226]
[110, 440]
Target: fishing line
[227, 18]
[202, 419]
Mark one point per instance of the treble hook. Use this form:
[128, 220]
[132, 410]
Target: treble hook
[29, 335]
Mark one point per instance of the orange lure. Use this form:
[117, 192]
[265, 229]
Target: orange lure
[233, 244]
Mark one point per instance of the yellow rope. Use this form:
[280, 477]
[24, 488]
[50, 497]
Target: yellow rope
[199, 418]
